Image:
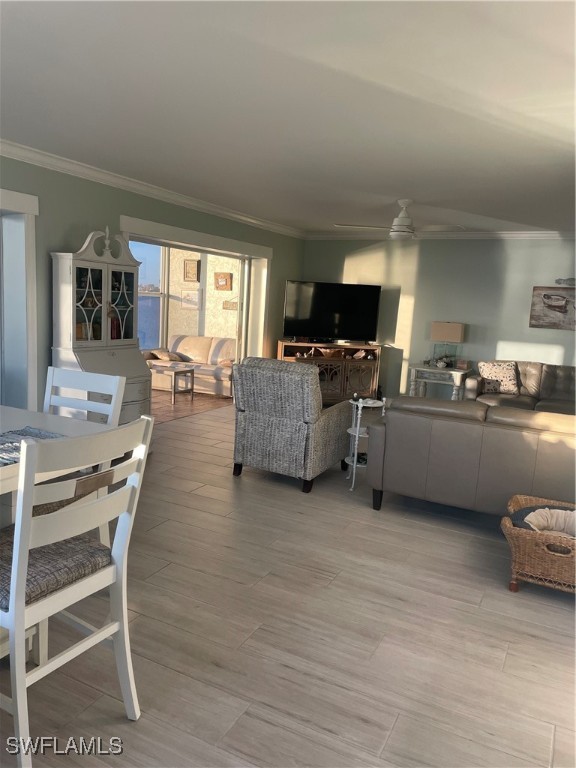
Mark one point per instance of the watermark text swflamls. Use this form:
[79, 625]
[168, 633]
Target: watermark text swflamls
[43, 745]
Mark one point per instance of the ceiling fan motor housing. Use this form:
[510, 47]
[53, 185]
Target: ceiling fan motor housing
[402, 226]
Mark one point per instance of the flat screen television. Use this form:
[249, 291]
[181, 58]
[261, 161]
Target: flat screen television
[328, 311]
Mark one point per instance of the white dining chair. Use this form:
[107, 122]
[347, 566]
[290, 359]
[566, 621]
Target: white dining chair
[81, 395]
[84, 394]
[50, 562]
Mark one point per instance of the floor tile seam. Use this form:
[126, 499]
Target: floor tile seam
[196, 735]
[376, 574]
[182, 496]
[186, 448]
[204, 638]
[204, 600]
[472, 741]
[268, 625]
[380, 754]
[101, 694]
[218, 533]
[470, 712]
[394, 641]
[567, 610]
[548, 683]
[168, 457]
[454, 602]
[382, 526]
[155, 573]
[198, 524]
[163, 520]
[239, 564]
[171, 441]
[118, 697]
[322, 676]
[218, 686]
[309, 728]
[220, 618]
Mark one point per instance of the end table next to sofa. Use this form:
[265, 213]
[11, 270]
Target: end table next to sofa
[182, 371]
[421, 375]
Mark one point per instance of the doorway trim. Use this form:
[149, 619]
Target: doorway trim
[20, 211]
[260, 256]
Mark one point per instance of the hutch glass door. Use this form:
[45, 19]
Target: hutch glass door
[121, 308]
[89, 308]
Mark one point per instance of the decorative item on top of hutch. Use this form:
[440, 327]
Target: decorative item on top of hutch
[95, 316]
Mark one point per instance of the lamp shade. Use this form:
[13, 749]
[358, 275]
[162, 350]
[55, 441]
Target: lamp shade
[452, 332]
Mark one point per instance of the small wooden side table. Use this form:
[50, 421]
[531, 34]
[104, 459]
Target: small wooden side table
[174, 374]
[421, 375]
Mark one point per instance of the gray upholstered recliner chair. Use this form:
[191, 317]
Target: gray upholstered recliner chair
[280, 424]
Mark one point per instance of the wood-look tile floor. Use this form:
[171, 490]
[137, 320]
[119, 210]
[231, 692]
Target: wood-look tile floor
[273, 628]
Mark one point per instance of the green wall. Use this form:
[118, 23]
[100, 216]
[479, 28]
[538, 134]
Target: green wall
[71, 207]
[486, 284]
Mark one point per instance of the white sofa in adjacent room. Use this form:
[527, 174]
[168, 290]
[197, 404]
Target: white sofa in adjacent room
[212, 357]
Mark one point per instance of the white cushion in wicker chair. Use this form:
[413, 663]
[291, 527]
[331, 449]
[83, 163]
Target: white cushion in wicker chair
[53, 566]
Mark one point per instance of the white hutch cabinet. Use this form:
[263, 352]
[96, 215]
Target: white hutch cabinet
[95, 317]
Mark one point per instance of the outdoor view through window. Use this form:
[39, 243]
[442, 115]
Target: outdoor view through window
[149, 292]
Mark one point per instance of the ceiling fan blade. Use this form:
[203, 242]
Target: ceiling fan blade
[442, 228]
[359, 226]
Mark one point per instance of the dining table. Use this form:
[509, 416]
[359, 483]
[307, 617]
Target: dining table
[18, 418]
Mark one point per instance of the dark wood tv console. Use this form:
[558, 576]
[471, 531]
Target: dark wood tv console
[343, 368]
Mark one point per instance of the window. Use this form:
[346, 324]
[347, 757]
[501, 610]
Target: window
[150, 293]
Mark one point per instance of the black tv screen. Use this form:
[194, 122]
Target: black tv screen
[328, 311]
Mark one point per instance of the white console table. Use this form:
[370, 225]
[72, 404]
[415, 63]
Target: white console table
[421, 375]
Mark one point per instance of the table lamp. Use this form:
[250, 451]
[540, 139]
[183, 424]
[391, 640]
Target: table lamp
[447, 336]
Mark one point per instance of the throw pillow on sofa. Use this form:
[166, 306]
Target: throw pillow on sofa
[500, 377]
[164, 354]
[147, 354]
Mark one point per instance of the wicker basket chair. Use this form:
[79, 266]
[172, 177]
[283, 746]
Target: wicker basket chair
[540, 557]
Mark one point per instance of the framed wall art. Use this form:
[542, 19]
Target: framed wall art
[552, 307]
[191, 299]
[223, 281]
[191, 270]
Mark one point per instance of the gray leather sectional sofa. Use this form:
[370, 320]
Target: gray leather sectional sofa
[470, 454]
[541, 387]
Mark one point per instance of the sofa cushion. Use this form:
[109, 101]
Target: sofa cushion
[147, 354]
[540, 420]
[556, 406]
[529, 377]
[499, 377]
[222, 349]
[427, 406]
[558, 382]
[219, 372]
[191, 348]
[513, 401]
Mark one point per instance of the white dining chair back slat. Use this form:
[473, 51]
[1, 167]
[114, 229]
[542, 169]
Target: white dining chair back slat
[80, 393]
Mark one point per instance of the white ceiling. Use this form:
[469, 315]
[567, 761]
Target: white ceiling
[308, 113]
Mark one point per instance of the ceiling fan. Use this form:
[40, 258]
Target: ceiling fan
[402, 227]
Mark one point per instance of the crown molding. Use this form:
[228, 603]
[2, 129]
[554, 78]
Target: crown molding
[73, 168]
[503, 235]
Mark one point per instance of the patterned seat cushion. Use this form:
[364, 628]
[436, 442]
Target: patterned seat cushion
[52, 567]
